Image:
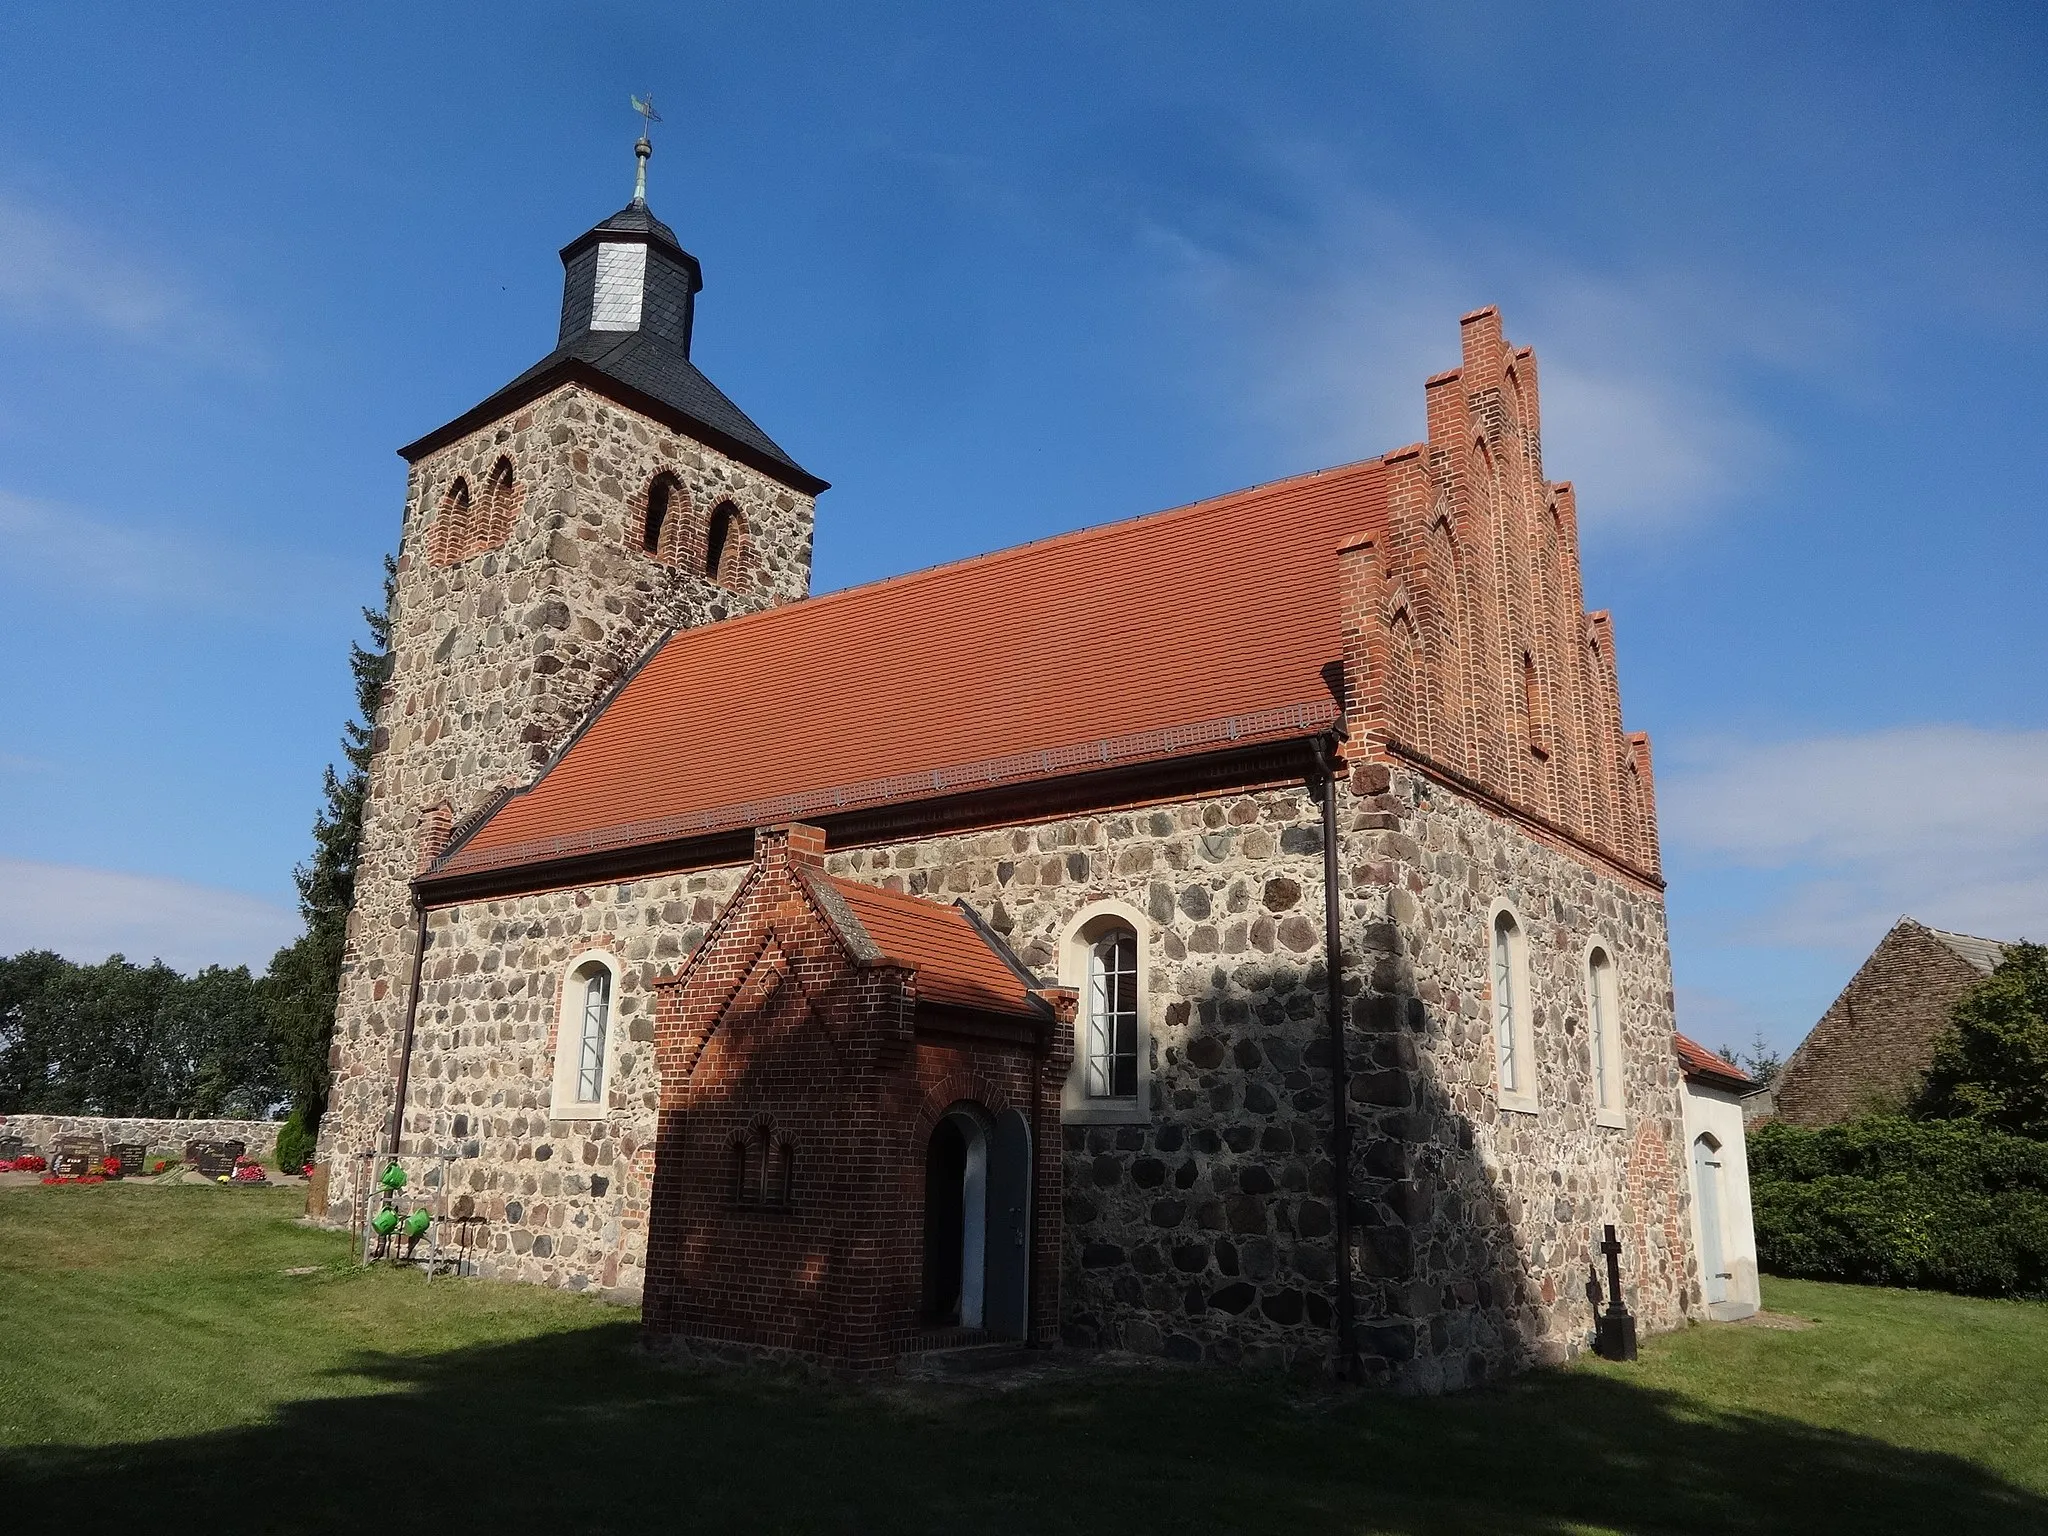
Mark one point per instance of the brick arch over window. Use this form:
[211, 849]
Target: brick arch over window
[665, 518]
[1514, 687]
[725, 545]
[500, 509]
[448, 539]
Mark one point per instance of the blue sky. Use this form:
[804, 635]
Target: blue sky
[998, 271]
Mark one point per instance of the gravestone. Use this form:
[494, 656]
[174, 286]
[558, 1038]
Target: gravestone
[214, 1158]
[76, 1155]
[131, 1155]
[11, 1147]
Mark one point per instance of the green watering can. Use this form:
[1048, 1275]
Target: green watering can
[417, 1223]
[385, 1222]
[394, 1177]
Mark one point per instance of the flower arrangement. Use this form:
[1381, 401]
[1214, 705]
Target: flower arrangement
[77, 1178]
[28, 1162]
[110, 1167]
[165, 1164]
[247, 1171]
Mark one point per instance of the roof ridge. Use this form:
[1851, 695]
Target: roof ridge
[1954, 933]
[991, 556]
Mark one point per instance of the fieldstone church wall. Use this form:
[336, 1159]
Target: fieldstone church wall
[498, 657]
[1206, 1231]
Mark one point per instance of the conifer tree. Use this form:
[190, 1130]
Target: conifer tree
[305, 976]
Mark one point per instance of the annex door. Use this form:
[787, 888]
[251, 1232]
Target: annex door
[1706, 1189]
[1009, 1227]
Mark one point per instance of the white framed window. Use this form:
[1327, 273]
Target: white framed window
[1603, 1032]
[1514, 1053]
[583, 1038]
[1103, 955]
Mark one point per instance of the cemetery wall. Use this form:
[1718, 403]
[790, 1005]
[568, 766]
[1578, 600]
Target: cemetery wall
[39, 1133]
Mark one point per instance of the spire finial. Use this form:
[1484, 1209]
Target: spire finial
[645, 146]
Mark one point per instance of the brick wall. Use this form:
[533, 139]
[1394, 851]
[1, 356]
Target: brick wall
[1875, 1042]
[775, 1042]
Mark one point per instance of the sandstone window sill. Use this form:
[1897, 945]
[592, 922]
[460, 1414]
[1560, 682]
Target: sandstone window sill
[1518, 1103]
[1107, 1112]
[1612, 1119]
[580, 1112]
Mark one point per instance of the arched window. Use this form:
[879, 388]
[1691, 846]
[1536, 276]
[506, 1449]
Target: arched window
[1514, 1053]
[500, 510]
[1603, 1033]
[741, 1156]
[449, 540]
[583, 1039]
[1112, 1007]
[762, 1166]
[1103, 956]
[779, 1177]
[597, 1013]
[653, 533]
[721, 542]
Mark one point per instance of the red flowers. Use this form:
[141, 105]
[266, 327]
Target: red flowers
[110, 1167]
[27, 1163]
[82, 1178]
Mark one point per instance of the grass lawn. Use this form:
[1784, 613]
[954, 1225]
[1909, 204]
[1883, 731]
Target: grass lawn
[160, 1373]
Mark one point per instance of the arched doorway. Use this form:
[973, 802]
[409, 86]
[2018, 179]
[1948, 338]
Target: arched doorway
[1706, 1188]
[977, 1222]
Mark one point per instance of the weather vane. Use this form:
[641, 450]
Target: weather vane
[648, 118]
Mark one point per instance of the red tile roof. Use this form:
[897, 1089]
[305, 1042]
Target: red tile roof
[952, 958]
[1171, 633]
[1695, 1060]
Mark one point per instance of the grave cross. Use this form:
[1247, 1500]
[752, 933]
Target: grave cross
[1614, 1331]
[1612, 1248]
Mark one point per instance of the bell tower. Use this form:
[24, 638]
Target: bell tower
[551, 535]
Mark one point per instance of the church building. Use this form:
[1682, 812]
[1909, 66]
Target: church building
[1234, 934]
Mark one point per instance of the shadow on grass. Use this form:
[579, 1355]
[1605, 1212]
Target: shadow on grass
[575, 1432]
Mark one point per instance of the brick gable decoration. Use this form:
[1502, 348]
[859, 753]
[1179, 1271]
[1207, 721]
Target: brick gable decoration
[1467, 649]
[807, 1053]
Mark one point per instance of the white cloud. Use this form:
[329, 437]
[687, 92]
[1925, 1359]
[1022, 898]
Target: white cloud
[67, 552]
[59, 273]
[1336, 313]
[1947, 824]
[89, 914]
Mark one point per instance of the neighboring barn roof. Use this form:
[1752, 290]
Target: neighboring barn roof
[1206, 626]
[957, 960]
[1984, 954]
[1702, 1065]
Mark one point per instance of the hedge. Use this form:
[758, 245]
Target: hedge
[1935, 1205]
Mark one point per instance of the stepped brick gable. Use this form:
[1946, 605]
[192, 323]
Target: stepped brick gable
[1235, 933]
[1466, 640]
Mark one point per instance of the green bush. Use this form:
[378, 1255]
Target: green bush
[295, 1142]
[1936, 1205]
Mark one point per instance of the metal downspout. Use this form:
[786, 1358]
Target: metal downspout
[1340, 1074]
[412, 1012]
